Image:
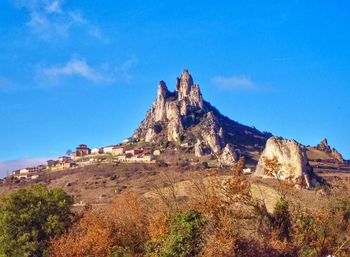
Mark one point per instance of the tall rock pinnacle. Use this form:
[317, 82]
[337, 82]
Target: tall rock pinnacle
[184, 84]
[184, 115]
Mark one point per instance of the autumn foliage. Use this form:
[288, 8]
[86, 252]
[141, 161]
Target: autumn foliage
[220, 217]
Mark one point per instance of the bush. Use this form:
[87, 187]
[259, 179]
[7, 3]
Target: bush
[184, 238]
[282, 220]
[30, 217]
[116, 230]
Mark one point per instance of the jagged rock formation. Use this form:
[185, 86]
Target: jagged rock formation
[292, 158]
[183, 115]
[325, 147]
[200, 149]
[336, 155]
[229, 156]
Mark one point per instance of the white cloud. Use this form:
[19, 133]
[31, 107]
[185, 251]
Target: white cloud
[236, 82]
[49, 19]
[127, 66]
[80, 68]
[77, 17]
[6, 167]
[77, 67]
[54, 7]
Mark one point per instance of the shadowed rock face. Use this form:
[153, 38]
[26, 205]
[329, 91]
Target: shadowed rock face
[183, 114]
[292, 158]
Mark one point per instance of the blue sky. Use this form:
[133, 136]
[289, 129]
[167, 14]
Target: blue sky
[78, 71]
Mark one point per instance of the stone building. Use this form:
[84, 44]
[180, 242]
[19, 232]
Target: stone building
[82, 150]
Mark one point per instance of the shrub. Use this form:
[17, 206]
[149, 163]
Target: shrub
[117, 230]
[282, 220]
[30, 217]
[184, 238]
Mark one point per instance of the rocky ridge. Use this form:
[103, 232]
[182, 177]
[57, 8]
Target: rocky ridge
[325, 147]
[183, 116]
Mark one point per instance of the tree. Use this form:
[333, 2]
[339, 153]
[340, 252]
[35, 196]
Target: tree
[30, 217]
[69, 152]
[272, 167]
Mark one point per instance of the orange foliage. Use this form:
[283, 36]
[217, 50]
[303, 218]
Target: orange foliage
[122, 224]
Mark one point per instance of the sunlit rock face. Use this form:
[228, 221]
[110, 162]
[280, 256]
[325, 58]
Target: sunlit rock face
[184, 115]
[229, 156]
[334, 153]
[292, 158]
[338, 156]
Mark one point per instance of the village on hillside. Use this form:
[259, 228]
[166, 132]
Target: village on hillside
[84, 156]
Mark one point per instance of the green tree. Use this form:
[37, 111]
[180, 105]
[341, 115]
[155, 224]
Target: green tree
[30, 217]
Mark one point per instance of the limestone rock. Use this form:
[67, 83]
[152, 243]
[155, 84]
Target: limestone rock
[150, 134]
[229, 156]
[292, 158]
[175, 129]
[159, 106]
[337, 155]
[199, 148]
[323, 146]
[211, 133]
[184, 112]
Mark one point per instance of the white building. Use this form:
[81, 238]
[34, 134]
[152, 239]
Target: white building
[108, 149]
[118, 150]
[96, 151]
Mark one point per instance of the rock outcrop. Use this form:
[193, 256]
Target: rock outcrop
[184, 115]
[229, 156]
[292, 162]
[324, 146]
[199, 149]
[336, 155]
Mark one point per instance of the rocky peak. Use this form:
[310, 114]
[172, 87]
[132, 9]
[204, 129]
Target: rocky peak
[162, 90]
[184, 84]
[184, 115]
[323, 146]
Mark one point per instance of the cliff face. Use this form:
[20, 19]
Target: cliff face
[183, 115]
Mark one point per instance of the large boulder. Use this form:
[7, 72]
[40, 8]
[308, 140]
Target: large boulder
[288, 159]
[229, 156]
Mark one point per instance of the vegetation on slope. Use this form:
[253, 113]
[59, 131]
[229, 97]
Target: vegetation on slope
[222, 218]
[30, 217]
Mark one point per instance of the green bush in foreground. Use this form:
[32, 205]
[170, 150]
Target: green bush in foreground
[184, 237]
[30, 217]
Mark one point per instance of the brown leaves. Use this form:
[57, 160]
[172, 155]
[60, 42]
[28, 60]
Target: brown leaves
[122, 224]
